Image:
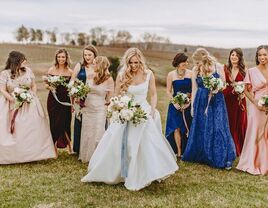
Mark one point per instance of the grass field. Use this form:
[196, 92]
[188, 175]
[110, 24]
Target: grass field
[56, 183]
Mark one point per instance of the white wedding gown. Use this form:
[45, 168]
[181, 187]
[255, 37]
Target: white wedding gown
[150, 155]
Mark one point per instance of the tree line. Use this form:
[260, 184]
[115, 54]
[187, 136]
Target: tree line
[97, 36]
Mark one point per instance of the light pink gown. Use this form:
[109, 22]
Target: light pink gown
[94, 118]
[254, 156]
[31, 140]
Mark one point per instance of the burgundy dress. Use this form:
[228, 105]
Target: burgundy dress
[237, 112]
[59, 116]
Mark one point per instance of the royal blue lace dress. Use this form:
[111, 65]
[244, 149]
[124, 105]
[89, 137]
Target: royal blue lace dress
[77, 123]
[210, 141]
[175, 118]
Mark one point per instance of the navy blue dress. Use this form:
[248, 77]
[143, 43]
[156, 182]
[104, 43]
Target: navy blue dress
[78, 124]
[210, 141]
[175, 118]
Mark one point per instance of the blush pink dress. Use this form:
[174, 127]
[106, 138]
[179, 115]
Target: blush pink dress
[31, 140]
[254, 156]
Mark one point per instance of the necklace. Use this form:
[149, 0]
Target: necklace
[181, 73]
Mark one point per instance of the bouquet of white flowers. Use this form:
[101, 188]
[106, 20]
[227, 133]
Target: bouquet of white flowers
[239, 87]
[54, 81]
[263, 102]
[123, 109]
[181, 99]
[213, 84]
[78, 91]
[21, 95]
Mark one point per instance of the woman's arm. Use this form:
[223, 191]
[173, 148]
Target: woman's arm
[6, 94]
[110, 92]
[251, 98]
[169, 89]
[194, 88]
[117, 84]
[76, 71]
[153, 93]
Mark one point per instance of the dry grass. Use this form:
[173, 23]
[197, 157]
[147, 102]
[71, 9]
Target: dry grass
[56, 183]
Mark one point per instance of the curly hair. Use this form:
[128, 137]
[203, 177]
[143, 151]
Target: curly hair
[241, 63]
[14, 61]
[67, 62]
[203, 55]
[102, 69]
[127, 76]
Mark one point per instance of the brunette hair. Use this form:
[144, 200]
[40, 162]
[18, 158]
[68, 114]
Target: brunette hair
[15, 58]
[257, 52]
[67, 62]
[179, 58]
[91, 48]
[241, 63]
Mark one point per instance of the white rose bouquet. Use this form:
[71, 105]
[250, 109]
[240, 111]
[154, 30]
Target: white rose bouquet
[123, 109]
[54, 81]
[213, 84]
[21, 95]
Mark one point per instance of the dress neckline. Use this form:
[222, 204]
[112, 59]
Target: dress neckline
[262, 75]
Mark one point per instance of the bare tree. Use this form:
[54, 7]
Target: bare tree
[22, 34]
[99, 35]
[123, 37]
[81, 39]
[39, 35]
[33, 35]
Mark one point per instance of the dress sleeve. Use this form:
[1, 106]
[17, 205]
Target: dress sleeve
[247, 81]
[3, 78]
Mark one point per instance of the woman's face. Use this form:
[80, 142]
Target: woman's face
[89, 56]
[134, 64]
[234, 58]
[183, 65]
[23, 64]
[263, 56]
[61, 58]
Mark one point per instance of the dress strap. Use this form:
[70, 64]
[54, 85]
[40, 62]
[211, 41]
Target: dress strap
[148, 76]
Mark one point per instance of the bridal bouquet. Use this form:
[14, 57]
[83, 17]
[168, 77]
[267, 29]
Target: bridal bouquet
[123, 109]
[213, 84]
[21, 95]
[78, 91]
[181, 99]
[54, 81]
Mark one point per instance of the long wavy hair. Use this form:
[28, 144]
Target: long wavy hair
[257, 52]
[14, 61]
[127, 73]
[241, 63]
[68, 60]
[91, 48]
[102, 69]
[201, 54]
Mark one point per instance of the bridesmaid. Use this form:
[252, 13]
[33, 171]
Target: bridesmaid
[178, 80]
[210, 141]
[31, 139]
[94, 114]
[236, 106]
[81, 71]
[254, 156]
[59, 114]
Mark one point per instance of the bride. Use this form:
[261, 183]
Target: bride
[149, 155]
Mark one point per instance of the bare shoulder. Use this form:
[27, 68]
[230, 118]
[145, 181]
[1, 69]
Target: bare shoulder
[51, 70]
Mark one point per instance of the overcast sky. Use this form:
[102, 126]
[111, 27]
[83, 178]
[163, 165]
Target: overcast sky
[220, 23]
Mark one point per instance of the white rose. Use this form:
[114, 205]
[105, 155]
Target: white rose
[127, 114]
[23, 96]
[125, 99]
[261, 102]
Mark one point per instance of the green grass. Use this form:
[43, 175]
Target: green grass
[56, 183]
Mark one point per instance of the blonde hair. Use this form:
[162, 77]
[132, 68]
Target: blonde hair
[201, 54]
[102, 69]
[127, 74]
